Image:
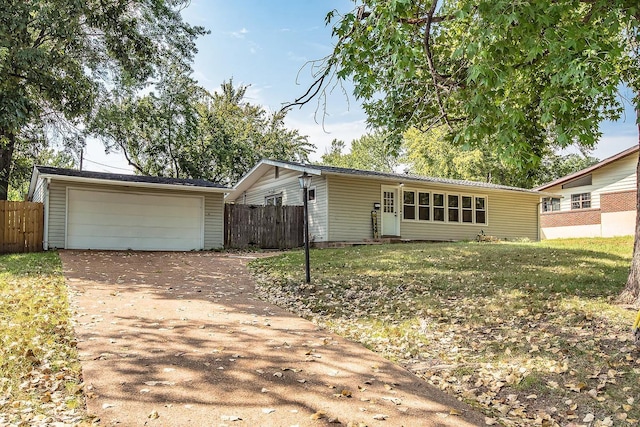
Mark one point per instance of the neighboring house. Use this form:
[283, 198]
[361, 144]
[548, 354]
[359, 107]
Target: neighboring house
[94, 210]
[599, 201]
[408, 207]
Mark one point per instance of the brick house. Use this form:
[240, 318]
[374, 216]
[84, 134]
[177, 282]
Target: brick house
[599, 201]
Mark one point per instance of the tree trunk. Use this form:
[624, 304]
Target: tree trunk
[7, 145]
[631, 292]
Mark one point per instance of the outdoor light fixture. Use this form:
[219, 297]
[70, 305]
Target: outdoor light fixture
[305, 183]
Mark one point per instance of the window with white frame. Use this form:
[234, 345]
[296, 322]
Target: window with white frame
[481, 210]
[467, 209]
[274, 200]
[453, 207]
[311, 194]
[581, 201]
[424, 206]
[409, 204]
[550, 204]
[438, 207]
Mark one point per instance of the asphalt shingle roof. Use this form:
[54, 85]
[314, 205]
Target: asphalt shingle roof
[47, 170]
[405, 177]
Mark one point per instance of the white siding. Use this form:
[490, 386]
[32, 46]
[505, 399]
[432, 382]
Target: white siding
[38, 192]
[57, 214]
[617, 176]
[213, 222]
[287, 184]
[510, 215]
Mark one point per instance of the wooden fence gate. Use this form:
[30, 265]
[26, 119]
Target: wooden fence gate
[21, 226]
[265, 227]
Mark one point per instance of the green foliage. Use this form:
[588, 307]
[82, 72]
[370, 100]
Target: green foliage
[58, 57]
[377, 151]
[180, 130]
[511, 78]
[37, 346]
[430, 154]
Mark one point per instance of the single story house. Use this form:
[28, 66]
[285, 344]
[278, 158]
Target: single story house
[598, 201]
[95, 210]
[346, 205]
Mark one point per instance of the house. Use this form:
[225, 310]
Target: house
[95, 210]
[598, 201]
[347, 205]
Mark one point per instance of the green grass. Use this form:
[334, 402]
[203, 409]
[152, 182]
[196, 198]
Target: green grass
[39, 368]
[484, 321]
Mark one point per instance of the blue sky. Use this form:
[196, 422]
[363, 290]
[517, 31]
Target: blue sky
[265, 44]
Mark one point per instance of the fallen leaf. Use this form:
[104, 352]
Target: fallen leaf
[153, 415]
[318, 415]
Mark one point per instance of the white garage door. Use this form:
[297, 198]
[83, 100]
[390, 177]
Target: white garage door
[118, 220]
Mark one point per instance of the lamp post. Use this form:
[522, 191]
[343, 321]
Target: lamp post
[305, 183]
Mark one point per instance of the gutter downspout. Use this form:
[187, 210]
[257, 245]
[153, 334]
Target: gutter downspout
[538, 220]
[45, 232]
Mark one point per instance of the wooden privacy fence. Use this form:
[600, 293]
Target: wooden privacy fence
[265, 227]
[21, 226]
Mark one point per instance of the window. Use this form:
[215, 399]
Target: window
[423, 206]
[581, 201]
[550, 204]
[409, 205]
[311, 194]
[387, 202]
[438, 207]
[467, 209]
[453, 203]
[275, 200]
[481, 212]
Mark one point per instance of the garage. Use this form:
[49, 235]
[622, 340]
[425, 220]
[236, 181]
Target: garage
[97, 210]
[138, 221]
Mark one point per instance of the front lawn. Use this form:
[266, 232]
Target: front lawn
[529, 333]
[39, 369]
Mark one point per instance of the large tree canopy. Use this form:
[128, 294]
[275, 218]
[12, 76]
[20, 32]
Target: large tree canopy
[58, 56]
[182, 131]
[428, 153]
[510, 77]
[375, 151]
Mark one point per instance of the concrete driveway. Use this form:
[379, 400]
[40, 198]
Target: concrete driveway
[179, 339]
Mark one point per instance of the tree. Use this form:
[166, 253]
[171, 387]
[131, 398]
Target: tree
[234, 135]
[182, 131]
[508, 77]
[375, 151]
[58, 56]
[429, 153]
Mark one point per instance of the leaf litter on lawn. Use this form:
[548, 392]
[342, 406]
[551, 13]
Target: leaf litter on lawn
[526, 332]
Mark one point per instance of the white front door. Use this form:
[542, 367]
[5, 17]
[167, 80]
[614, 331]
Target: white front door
[390, 217]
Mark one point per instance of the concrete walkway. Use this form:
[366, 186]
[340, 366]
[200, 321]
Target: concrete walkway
[179, 339]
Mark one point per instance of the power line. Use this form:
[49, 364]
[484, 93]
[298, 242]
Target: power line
[107, 166]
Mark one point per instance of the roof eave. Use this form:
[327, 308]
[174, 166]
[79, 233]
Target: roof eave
[591, 168]
[400, 179]
[135, 184]
[258, 170]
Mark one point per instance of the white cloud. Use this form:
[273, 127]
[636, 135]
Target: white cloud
[239, 34]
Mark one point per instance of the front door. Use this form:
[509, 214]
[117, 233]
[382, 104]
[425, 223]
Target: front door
[390, 217]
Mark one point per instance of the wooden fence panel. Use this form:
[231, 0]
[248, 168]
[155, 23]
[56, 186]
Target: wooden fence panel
[265, 227]
[21, 226]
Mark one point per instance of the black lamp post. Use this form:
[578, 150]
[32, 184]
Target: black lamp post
[305, 183]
